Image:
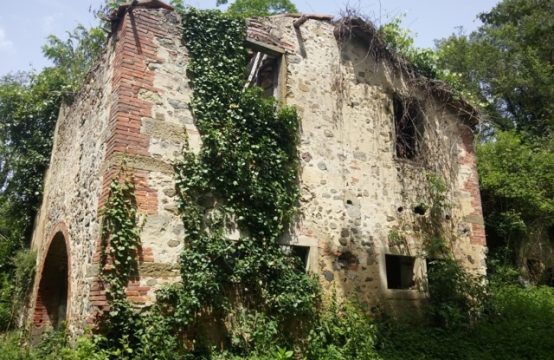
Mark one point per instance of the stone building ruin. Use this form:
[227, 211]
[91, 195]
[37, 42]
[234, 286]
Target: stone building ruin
[372, 130]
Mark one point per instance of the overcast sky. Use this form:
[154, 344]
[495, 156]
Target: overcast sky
[25, 25]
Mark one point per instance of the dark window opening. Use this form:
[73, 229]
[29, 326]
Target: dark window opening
[408, 123]
[299, 255]
[400, 271]
[263, 71]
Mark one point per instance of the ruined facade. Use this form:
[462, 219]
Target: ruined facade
[371, 134]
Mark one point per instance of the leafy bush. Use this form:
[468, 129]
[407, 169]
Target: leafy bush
[342, 332]
[455, 297]
[54, 345]
[15, 285]
[517, 323]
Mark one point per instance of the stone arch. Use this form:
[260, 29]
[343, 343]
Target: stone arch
[51, 302]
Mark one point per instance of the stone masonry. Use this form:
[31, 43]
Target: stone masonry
[133, 112]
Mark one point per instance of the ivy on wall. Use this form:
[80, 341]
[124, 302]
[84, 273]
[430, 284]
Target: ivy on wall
[245, 176]
[120, 242]
[244, 179]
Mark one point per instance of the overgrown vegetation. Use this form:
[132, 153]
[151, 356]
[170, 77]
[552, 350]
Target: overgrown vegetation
[120, 243]
[507, 63]
[245, 176]
[249, 8]
[244, 179]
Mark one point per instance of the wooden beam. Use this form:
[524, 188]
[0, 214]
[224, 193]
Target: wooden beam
[264, 48]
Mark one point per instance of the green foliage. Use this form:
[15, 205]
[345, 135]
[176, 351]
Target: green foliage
[11, 349]
[253, 331]
[508, 62]
[516, 324]
[427, 62]
[517, 185]
[120, 232]
[15, 287]
[247, 167]
[75, 55]
[341, 333]
[120, 242]
[455, 297]
[54, 345]
[250, 8]
[178, 5]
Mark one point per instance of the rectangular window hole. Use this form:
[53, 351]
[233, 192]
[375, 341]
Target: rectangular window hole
[300, 255]
[408, 123]
[400, 271]
[263, 71]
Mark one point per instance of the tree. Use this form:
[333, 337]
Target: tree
[75, 55]
[250, 8]
[509, 61]
[517, 185]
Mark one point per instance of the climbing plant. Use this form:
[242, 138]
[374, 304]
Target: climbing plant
[245, 176]
[455, 295]
[120, 242]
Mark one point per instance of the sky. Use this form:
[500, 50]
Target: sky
[25, 26]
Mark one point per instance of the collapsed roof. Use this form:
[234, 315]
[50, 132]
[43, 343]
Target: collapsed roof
[260, 38]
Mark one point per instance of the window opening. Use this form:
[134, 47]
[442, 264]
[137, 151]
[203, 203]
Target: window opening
[300, 254]
[408, 121]
[400, 271]
[263, 71]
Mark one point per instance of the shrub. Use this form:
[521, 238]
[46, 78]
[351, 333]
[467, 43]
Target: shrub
[342, 332]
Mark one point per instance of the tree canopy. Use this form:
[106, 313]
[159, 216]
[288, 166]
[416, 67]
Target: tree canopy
[508, 63]
[249, 8]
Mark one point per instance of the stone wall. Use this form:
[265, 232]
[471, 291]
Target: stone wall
[131, 119]
[355, 190]
[72, 187]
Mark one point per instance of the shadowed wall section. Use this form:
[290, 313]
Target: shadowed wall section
[51, 302]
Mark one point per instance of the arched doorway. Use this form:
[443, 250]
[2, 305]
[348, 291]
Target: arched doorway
[51, 302]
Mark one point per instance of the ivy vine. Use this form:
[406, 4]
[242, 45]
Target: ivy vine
[245, 176]
[120, 242]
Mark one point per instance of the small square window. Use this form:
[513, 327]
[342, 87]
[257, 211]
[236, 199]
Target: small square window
[300, 255]
[408, 124]
[400, 271]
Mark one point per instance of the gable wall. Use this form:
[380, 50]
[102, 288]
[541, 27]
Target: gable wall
[352, 182]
